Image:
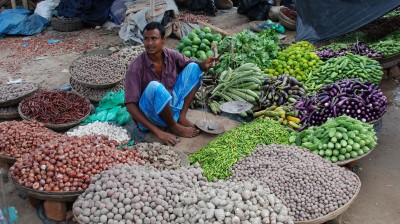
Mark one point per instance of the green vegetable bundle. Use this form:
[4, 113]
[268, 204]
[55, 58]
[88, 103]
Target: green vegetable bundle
[247, 46]
[218, 156]
[389, 45]
[346, 67]
[242, 84]
[337, 139]
[296, 60]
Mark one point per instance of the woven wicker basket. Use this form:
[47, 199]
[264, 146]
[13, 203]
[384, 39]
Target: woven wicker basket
[336, 213]
[44, 195]
[57, 127]
[66, 25]
[286, 21]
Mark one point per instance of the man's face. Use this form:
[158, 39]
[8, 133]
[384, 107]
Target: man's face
[153, 42]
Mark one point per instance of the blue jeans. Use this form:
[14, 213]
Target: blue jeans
[156, 97]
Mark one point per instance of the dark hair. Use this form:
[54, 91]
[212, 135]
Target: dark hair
[155, 25]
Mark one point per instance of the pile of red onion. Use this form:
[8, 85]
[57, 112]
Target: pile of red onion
[69, 163]
[360, 100]
[20, 137]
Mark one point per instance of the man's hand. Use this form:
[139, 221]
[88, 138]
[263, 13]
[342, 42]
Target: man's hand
[208, 63]
[167, 138]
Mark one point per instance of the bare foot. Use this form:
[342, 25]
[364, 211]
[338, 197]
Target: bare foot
[185, 122]
[187, 132]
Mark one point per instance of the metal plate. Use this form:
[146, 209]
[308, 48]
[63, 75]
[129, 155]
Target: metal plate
[235, 107]
[210, 126]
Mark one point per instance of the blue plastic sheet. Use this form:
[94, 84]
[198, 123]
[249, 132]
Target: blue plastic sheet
[324, 20]
[20, 22]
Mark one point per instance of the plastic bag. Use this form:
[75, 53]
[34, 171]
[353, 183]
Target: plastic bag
[123, 116]
[112, 113]
[269, 24]
[112, 99]
[45, 9]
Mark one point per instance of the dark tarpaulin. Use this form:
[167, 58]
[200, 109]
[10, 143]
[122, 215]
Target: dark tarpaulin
[327, 19]
[92, 12]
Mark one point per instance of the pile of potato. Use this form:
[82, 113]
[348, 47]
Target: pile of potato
[144, 194]
[307, 184]
[94, 94]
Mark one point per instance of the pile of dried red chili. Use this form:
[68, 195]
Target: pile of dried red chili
[55, 107]
[292, 14]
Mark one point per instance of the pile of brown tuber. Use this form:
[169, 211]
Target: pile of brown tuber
[94, 94]
[69, 163]
[160, 156]
[144, 194]
[20, 137]
[14, 90]
[308, 185]
[97, 69]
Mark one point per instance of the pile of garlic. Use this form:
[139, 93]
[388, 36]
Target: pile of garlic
[113, 132]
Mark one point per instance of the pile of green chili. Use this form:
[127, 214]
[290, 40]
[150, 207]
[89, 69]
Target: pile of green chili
[218, 156]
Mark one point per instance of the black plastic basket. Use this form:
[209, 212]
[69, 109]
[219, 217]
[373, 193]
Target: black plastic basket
[66, 25]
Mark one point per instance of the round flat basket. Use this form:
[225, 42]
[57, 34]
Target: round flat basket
[16, 101]
[57, 127]
[73, 69]
[346, 161]
[254, 25]
[184, 158]
[44, 195]
[10, 113]
[336, 213]
[210, 127]
[391, 58]
[291, 25]
[66, 25]
[8, 159]
[94, 95]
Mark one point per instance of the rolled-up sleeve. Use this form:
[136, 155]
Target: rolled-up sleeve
[133, 82]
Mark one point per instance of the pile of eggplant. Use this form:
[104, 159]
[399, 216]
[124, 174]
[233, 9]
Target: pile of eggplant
[360, 100]
[359, 48]
[280, 90]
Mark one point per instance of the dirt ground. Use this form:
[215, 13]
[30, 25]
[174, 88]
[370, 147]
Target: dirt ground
[378, 201]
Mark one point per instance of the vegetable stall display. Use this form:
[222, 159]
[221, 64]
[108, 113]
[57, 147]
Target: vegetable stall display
[241, 84]
[284, 115]
[218, 156]
[361, 100]
[143, 194]
[18, 138]
[55, 107]
[389, 45]
[337, 139]
[359, 48]
[297, 60]
[198, 43]
[281, 90]
[68, 163]
[308, 185]
[345, 67]
[248, 47]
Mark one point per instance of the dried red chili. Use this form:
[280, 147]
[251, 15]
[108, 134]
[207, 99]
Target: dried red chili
[55, 107]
